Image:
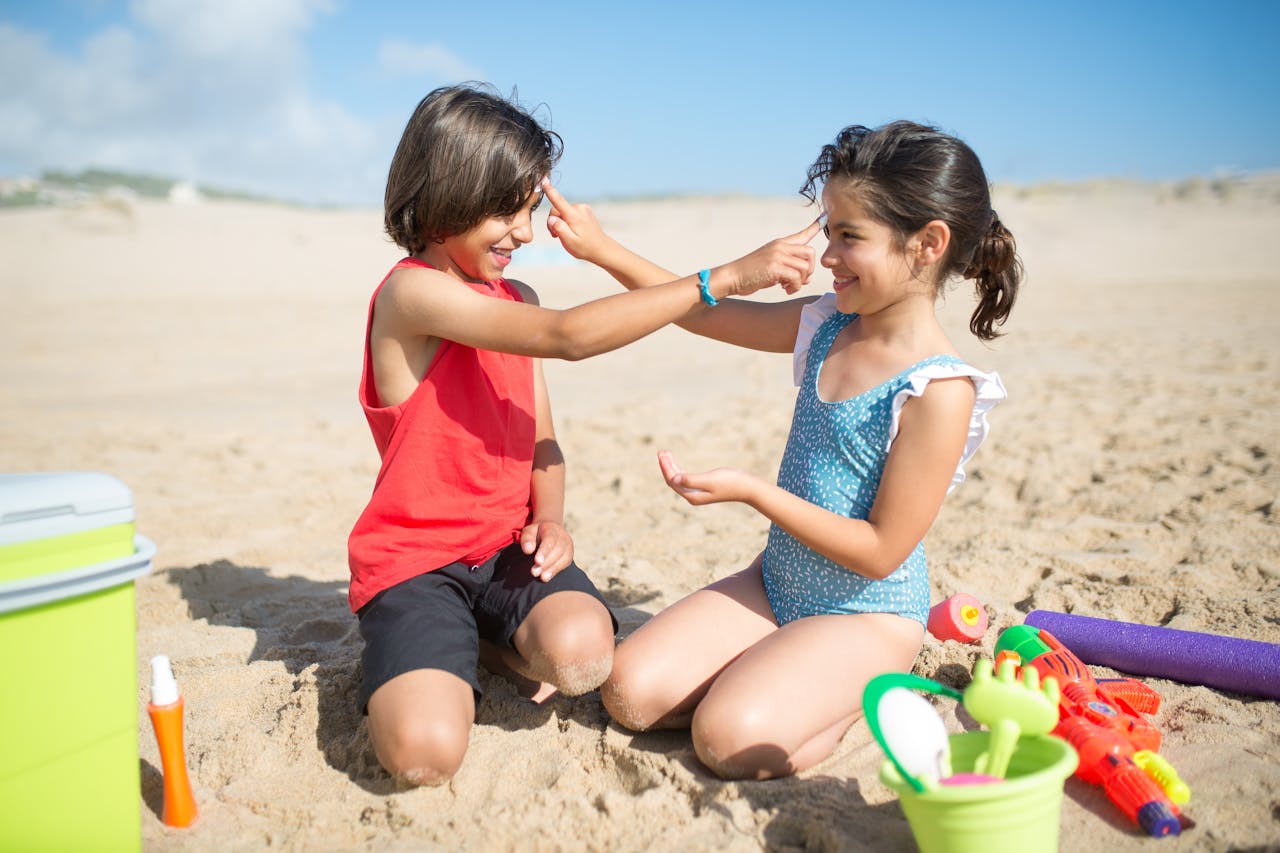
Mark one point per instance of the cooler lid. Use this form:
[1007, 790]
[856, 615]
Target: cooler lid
[39, 505]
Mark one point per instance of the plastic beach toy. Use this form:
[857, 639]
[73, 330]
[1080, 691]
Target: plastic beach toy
[983, 790]
[1010, 708]
[912, 737]
[1251, 667]
[1021, 812]
[960, 617]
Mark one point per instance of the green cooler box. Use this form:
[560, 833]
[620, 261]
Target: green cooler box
[69, 710]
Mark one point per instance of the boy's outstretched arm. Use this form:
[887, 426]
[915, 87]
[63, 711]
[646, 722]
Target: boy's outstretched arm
[417, 303]
[766, 326]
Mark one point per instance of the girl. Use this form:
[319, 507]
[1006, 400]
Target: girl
[462, 547]
[767, 666]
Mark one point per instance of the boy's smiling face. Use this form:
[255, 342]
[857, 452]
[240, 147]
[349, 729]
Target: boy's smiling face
[483, 252]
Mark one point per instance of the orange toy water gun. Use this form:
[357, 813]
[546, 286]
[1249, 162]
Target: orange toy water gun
[1103, 720]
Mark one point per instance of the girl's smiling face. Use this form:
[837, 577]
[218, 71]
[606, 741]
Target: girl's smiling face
[482, 252]
[870, 267]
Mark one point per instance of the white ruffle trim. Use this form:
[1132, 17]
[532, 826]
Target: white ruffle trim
[811, 317]
[990, 390]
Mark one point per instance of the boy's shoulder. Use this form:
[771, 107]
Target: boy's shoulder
[527, 293]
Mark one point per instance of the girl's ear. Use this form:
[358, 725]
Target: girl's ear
[931, 242]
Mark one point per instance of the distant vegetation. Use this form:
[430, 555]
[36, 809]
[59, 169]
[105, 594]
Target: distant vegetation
[54, 187]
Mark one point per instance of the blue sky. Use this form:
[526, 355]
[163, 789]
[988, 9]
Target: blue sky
[305, 99]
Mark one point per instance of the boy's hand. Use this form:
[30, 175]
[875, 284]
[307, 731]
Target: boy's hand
[551, 546]
[574, 225]
[787, 262]
[715, 486]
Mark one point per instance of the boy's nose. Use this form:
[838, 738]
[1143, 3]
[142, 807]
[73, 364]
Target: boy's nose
[523, 230]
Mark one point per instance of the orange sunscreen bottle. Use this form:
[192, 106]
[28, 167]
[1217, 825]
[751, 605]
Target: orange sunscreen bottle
[166, 718]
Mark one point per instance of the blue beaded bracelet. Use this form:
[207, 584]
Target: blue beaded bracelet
[704, 288]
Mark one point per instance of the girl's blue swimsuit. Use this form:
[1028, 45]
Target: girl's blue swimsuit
[834, 458]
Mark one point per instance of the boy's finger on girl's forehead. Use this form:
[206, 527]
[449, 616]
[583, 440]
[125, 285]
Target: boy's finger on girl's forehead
[818, 224]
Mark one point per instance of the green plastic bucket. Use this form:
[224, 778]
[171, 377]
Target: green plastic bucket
[1022, 813]
[69, 775]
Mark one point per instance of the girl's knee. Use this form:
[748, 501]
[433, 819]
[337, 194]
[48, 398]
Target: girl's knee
[422, 750]
[737, 743]
[628, 694]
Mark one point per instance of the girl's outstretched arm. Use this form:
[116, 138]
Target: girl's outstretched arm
[418, 303]
[919, 469]
[766, 326]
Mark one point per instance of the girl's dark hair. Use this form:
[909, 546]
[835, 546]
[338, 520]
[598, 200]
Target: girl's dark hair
[466, 154]
[906, 175]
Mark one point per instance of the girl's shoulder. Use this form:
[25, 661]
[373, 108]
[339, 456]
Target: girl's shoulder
[988, 391]
[812, 316]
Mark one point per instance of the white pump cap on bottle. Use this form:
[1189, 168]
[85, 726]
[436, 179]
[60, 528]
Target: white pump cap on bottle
[164, 689]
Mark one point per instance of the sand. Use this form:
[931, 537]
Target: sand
[207, 355]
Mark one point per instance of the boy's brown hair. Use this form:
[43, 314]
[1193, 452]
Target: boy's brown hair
[465, 155]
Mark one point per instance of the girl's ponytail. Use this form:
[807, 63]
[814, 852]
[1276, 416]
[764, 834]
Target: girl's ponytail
[997, 272]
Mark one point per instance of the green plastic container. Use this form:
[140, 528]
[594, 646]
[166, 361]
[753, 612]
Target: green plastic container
[1022, 813]
[69, 776]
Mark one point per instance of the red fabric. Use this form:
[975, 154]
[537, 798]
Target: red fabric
[457, 458]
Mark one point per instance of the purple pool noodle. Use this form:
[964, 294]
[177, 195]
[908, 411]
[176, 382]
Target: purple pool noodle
[1227, 663]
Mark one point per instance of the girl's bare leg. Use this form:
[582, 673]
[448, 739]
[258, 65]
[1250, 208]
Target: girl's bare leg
[784, 704]
[420, 724]
[663, 670]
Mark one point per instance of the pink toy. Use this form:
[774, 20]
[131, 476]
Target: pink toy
[959, 779]
[961, 618]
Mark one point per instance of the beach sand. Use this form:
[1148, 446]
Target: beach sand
[208, 355]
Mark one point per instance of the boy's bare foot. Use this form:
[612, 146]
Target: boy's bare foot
[494, 660]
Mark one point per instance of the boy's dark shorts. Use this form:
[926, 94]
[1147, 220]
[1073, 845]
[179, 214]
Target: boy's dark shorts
[435, 620]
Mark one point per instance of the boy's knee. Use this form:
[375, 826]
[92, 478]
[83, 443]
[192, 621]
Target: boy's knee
[422, 752]
[576, 653]
[584, 634]
[574, 678]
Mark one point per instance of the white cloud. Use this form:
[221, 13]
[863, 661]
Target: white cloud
[213, 92]
[405, 59]
[236, 30]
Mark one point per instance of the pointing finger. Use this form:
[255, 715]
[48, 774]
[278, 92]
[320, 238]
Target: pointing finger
[558, 201]
[809, 232]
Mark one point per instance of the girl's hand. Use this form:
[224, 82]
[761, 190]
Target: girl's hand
[716, 486]
[787, 261]
[574, 225]
[551, 546]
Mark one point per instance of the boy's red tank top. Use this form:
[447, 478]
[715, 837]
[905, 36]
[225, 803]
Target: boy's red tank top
[457, 458]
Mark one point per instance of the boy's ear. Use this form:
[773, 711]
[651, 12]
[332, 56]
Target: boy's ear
[932, 241]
